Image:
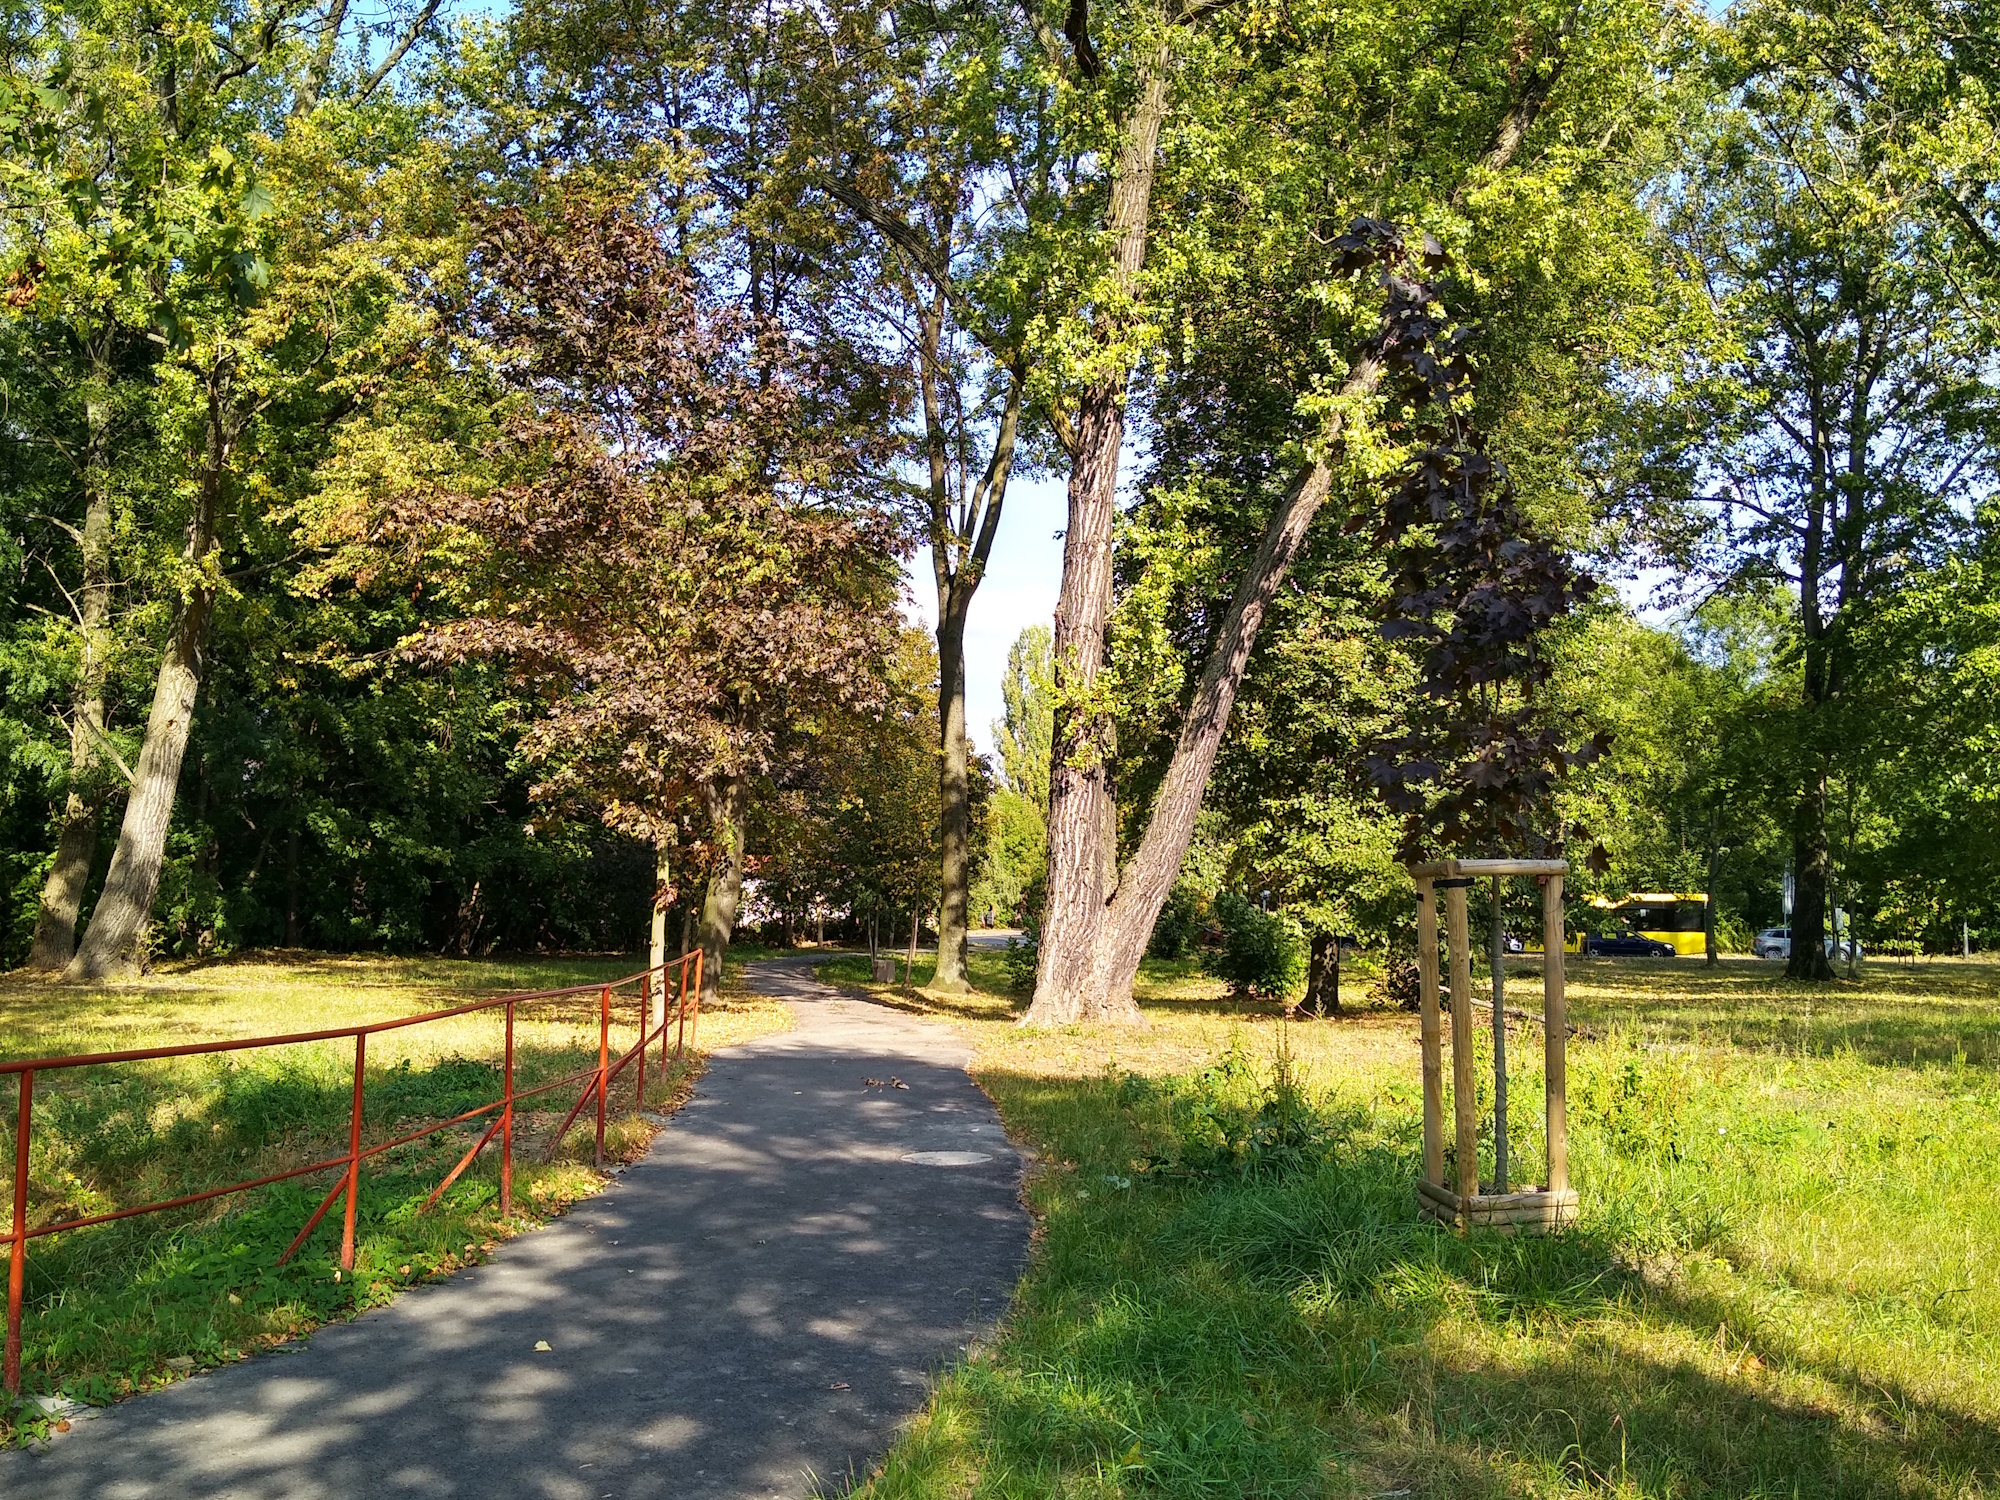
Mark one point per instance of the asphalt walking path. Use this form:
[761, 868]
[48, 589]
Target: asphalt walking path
[751, 1310]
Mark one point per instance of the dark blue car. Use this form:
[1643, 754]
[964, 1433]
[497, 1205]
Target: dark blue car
[1625, 945]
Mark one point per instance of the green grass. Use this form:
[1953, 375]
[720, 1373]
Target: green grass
[1781, 1284]
[122, 1307]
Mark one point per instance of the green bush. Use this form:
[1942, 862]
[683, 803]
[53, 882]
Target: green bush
[1178, 923]
[1024, 955]
[1262, 953]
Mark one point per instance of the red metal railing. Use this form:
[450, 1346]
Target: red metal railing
[679, 1011]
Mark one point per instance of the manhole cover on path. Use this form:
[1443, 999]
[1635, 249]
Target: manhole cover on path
[946, 1158]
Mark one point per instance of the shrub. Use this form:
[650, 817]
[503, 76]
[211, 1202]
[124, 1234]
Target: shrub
[1231, 1121]
[1262, 953]
[1179, 923]
[1024, 954]
[1402, 983]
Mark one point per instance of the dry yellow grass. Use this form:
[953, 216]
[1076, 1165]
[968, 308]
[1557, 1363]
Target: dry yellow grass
[109, 1306]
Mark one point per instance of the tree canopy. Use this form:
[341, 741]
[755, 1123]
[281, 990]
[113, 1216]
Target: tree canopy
[463, 475]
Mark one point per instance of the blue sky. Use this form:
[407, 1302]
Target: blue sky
[1020, 590]
[1022, 578]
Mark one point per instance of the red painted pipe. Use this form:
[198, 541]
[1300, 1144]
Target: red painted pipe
[353, 1154]
[17, 1255]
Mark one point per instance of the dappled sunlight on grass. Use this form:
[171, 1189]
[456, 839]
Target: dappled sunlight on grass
[109, 1306]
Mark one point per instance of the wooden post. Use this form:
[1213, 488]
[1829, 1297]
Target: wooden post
[1427, 990]
[1555, 1033]
[1465, 1096]
[1497, 960]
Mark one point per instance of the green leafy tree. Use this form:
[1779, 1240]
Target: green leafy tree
[1273, 390]
[1850, 403]
[153, 168]
[663, 541]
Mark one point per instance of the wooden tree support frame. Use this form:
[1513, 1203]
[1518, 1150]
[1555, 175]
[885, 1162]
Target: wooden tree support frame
[1466, 1201]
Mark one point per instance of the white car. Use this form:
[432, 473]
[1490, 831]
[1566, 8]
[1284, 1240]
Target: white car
[1776, 942]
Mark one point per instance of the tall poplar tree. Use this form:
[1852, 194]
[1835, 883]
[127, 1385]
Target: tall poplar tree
[1842, 434]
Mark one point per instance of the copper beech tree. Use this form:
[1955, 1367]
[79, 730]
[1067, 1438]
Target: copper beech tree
[674, 554]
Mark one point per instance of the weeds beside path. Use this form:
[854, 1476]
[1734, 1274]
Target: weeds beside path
[122, 1307]
[1781, 1284]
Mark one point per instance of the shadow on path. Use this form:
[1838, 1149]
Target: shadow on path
[758, 1302]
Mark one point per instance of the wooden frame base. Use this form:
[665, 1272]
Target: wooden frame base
[1530, 1212]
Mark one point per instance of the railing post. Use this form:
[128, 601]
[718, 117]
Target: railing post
[507, 1123]
[645, 1015]
[1464, 1093]
[681, 1031]
[665, 1007]
[17, 1255]
[603, 1064]
[1555, 1034]
[700, 956]
[353, 1154]
[1431, 1031]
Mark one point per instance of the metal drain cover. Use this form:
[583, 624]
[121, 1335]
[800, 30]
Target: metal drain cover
[946, 1158]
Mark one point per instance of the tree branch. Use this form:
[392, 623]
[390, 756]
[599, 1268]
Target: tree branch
[374, 80]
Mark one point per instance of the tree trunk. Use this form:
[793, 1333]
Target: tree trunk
[725, 888]
[1710, 946]
[113, 945]
[954, 796]
[910, 964]
[1810, 861]
[1089, 961]
[117, 932]
[663, 897]
[1078, 770]
[1322, 997]
[62, 895]
[292, 892]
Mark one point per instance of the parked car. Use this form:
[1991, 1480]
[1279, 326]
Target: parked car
[1776, 942]
[1625, 945]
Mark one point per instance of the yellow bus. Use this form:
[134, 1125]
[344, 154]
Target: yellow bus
[1676, 918]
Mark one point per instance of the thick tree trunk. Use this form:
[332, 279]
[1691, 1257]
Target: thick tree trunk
[1106, 930]
[725, 887]
[62, 895]
[1078, 771]
[114, 944]
[954, 796]
[1322, 997]
[1149, 875]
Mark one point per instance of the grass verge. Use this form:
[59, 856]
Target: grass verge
[119, 1308]
[1780, 1286]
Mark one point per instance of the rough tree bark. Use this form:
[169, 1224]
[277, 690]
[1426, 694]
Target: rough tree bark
[1096, 934]
[1322, 996]
[961, 531]
[62, 895]
[725, 797]
[1811, 852]
[1079, 794]
[663, 897]
[115, 940]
